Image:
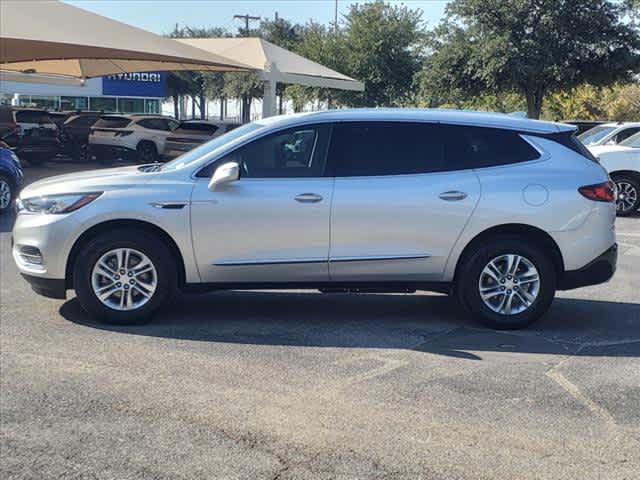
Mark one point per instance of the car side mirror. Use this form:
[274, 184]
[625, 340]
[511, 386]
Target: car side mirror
[225, 173]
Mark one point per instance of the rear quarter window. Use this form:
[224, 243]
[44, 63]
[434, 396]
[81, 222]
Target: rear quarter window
[469, 147]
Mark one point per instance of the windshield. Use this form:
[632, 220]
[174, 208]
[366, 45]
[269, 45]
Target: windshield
[208, 149]
[594, 135]
[633, 141]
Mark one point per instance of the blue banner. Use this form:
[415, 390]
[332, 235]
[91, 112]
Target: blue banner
[149, 84]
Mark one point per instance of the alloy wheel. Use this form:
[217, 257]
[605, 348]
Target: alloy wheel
[5, 194]
[124, 279]
[509, 284]
[627, 196]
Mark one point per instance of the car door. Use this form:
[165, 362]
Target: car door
[271, 225]
[397, 210]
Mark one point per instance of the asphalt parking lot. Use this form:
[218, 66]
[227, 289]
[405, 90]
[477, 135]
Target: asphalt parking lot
[300, 385]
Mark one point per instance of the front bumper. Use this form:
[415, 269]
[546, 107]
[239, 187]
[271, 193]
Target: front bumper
[47, 287]
[599, 270]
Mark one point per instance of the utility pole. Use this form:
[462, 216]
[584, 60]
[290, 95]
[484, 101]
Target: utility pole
[335, 17]
[246, 19]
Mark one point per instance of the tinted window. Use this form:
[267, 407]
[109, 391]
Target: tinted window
[197, 128]
[112, 122]
[633, 141]
[292, 153]
[477, 147]
[385, 148]
[82, 121]
[623, 135]
[32, 116]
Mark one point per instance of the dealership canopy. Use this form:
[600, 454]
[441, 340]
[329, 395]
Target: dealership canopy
[53, 38]
[274, 64]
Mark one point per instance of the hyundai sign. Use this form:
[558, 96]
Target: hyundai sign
[148, 84]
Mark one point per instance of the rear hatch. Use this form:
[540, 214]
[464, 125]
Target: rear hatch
[109, 128]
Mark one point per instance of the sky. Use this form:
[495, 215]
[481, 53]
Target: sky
[161, 16]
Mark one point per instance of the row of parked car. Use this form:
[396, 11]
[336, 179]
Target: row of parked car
[617, 148]
[38, 135]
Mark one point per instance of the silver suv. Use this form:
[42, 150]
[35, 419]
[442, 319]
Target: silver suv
[499, 211]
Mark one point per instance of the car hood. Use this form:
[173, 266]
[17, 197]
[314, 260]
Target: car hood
[89, 181]
[600, 149]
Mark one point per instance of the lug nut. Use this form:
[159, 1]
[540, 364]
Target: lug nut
[502, 281]
[116, 276]
[126, 287]
[508, 291]
[118, 284]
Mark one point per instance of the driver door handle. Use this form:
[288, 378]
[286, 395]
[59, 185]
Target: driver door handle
[453, 195]
[308, 198]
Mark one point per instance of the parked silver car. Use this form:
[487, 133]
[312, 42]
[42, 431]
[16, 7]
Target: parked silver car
[497, 210]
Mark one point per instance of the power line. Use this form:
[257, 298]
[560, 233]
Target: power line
[246, 19]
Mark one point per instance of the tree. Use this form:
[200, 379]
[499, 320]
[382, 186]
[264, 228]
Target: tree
[197, 85]
[379, 46]
[532, 46]
[243, 85]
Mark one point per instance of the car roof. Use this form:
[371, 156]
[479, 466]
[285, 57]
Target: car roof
[454, 117]
[620, 124]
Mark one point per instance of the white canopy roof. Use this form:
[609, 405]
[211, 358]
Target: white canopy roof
[275, 63]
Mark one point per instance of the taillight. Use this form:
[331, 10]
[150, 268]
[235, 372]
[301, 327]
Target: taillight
[600, 192]
[123, 133]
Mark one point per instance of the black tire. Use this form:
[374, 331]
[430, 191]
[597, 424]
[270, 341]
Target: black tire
[140, 240]
[629, 185]
[147, 152]
[6, 187]
[468, 281]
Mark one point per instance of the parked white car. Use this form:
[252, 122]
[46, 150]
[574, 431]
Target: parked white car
[192, 133]
[622, 161]
[138, 137]
[609, 133]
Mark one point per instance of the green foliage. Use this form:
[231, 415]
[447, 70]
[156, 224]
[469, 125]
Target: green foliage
[379, 46]
[531, 46]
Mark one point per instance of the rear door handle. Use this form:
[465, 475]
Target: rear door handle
[453, 196]
[308, 198]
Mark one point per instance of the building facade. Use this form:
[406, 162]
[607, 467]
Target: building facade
[123, 93]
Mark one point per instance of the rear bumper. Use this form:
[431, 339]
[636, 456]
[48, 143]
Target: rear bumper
[599, 270]
[47, 287]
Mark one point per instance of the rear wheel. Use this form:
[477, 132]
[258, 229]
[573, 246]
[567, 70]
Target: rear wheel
[507, 283]
[124, 276]
[628, 200]
[147, 152]
[6, 194]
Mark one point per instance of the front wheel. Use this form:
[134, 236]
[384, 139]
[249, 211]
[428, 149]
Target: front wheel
[628, 200]
[124, 276]
[508, 283]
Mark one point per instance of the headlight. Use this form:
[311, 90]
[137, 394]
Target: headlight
[56, 203]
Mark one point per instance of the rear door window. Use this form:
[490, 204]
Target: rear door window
[385, 148]
[469, 147]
